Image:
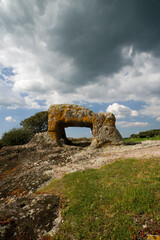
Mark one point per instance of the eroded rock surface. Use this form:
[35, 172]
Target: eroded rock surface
[102, 125]
[28, 217]
[24, 213]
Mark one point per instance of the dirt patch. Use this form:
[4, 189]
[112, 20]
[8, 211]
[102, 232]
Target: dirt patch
[95, 158]
[25, 169]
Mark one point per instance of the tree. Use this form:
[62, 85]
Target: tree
[37, 123]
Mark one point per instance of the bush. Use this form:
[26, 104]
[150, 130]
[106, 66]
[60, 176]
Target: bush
[1, 144]
[16, 136]
[146, 134]
[133, 136]
[150, 133]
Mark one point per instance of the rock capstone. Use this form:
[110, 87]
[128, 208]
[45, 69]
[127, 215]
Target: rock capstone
[102, 125]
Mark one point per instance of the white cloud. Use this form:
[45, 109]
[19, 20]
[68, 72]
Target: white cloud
[54, 62]
[152, 109]
[9, 98]
[10, 119]
[121, 111]
[158, 118]
[126, 124]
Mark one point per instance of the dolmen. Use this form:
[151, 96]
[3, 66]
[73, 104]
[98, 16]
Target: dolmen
[102, 125]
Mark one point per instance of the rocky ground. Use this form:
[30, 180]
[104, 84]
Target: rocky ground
[26, 214]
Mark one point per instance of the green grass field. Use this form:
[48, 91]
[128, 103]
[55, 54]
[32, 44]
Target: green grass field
[119, 201]
[142, 139]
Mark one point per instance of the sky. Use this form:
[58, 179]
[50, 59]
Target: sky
[102, 54]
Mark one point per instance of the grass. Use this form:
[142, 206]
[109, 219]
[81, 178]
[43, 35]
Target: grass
[118, 201]
[142, 139]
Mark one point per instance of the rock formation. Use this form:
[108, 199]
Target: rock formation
[102, 125]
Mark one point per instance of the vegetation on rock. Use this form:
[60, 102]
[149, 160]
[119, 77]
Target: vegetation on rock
[16, 136]
[30, 126]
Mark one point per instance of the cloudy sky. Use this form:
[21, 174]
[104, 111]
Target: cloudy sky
[103, 54]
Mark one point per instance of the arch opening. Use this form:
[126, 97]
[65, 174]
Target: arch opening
[81, 132]
[79, 136]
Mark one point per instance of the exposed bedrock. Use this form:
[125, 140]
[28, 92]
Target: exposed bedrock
[102, 125]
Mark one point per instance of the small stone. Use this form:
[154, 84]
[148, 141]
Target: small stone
[145, 226]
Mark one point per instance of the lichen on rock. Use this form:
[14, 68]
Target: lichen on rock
[102, 125]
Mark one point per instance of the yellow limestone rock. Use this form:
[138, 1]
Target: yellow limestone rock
[102, 125]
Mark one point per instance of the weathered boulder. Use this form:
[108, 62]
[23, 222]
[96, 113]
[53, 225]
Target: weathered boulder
[102, 125]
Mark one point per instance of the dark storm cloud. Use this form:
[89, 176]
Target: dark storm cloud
[89, 50]
[94, 33]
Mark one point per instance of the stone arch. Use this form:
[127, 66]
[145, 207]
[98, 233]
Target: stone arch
[68, 115]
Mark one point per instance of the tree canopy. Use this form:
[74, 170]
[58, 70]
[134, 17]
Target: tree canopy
[37, 123]
[149, 133]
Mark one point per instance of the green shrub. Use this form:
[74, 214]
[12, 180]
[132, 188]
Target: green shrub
[133, 136]
[146, 134]
[16, 136]
[1, 144]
